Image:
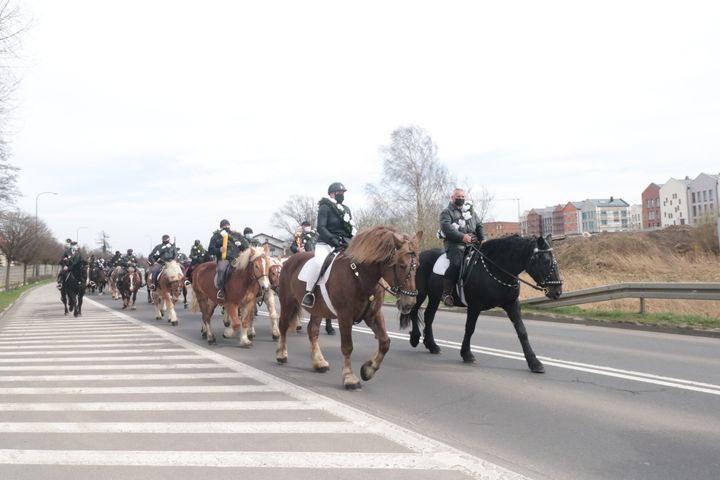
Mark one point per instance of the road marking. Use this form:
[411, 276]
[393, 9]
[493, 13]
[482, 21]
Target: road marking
[56, 360]
[47, 354]
[138, 390]
[96, 345]
[588, 368]
[116, 366]
[156, 406]
[114, 377]
[181, 427]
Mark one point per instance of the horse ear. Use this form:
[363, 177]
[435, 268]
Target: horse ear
[399, 240]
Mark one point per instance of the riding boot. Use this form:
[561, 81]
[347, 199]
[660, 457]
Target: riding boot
[447, 294]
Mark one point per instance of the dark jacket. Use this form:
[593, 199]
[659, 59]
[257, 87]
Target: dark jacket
[127, 259]
[303, 241]
[198, 253]
[236, 244]
[332, 228]
[114, 261]
[452, 228]
[163, 252]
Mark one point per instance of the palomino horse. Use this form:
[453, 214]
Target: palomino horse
[492, 281]
[267, 297]
[249, 277]
[128, 286]
[73, 288]
[114, 281]
[167, 291]
[354, 294]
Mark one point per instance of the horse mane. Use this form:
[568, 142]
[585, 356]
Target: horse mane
[247, 256]
[373, 245]
[509, 245]
[173, 270]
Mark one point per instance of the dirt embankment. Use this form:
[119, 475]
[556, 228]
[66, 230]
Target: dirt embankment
[674, 254]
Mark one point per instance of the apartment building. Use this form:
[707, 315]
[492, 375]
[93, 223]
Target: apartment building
[500, 229]
[651, 207]
[702, 198]
[605, 215]
[636, 217]
[674, 202]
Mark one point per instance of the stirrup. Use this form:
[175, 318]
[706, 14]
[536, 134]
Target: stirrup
[187, 283]
[309, 299]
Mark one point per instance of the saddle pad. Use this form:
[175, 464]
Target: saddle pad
[310, 271]
[441, 264]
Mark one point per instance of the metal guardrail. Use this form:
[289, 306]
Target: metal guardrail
[681, 291]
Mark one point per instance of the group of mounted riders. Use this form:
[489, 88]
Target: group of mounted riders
[459, 227]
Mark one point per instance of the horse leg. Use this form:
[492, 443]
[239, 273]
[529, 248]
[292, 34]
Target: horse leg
[270, 303]
[63, 298]
[133, 297]
[78, 306]
[287, 313]
[233, 309]
[377, 325]
[156, 306]
[227, 321]
[207, 312]
[429, 316]
[246, 329]
[513, 312]
[414, 318]
[349, 379]
[472, 315]
[172, 316]
[318, 361]
[329, 327]
[184, 292]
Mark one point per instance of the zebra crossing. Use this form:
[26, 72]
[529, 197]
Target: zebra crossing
[106, 396]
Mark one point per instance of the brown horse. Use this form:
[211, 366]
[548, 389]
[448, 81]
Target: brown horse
[379, 253]
[114, 281]
[248, 279]
[167, 291]
[128, 286]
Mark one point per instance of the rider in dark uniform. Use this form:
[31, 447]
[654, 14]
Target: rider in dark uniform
[304, 239]
[198, 255]
[335, 228]
[160, 255]
[248, 234]
[115, 260]
[235, 244]
[459, 226]
[66, 254]
[127, 260]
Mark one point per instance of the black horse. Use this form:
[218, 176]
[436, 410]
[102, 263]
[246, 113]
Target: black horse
[73, 288]
[98, 279]
[492, 281]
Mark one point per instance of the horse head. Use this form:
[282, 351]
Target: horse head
[543, 268]
[400, 268]
[174, 273]
[261, 267]
[274, 273]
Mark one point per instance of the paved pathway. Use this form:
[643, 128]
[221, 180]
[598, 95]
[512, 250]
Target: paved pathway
[105, 396]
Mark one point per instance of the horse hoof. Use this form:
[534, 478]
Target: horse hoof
[281, 359]
[330, 330]
[276, 337]
[133, 307]
[158, 318]
[324, 369]
[353, 386]
[537, 367]
[124, 307]
[366, 372]
[66, 314]
[174, 324]
[185, 306]
[468, 357]
[203, 335]
[246, 345]
[414, 339]
[212, 341]
[432, 347]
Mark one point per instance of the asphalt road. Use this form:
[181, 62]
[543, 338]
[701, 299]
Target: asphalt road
[613, 404]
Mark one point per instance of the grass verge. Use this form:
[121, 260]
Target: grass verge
[662, 319]
[9, 296]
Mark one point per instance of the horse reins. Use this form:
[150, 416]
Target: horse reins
[540, 286]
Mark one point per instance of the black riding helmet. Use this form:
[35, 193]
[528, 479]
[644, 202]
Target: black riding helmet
[247, 231]
[166, 238]
[130, 250]
[336, 187]
[224, 222]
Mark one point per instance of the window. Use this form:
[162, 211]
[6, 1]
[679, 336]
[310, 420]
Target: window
[694, 211]
[710, 195]
[704, 195]
[693, 197]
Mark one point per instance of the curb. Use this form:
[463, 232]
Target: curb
[9, 307]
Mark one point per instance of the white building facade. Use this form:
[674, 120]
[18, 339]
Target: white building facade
[605, 215]
[702, 198]
[674, 202]
[636, 220]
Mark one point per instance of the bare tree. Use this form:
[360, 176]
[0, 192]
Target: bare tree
[16, 231]
[297, 209]
[11, 29]
[103, 241]
[414, 186]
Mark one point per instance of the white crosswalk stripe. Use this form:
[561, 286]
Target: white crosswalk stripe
[50, 363]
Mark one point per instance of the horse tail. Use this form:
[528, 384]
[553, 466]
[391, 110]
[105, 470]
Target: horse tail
[195, 307]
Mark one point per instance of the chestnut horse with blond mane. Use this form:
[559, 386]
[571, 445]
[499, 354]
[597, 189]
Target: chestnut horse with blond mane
[167, 291]
[249, 278]
[355, 294]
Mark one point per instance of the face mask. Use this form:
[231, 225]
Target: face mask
[306, 229]
[226, 228]
[459, 202]
[340, 197]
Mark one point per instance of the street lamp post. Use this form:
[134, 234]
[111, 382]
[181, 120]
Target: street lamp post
[77, 235]
[37, 197]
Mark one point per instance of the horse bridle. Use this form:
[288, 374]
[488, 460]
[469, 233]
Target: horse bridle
[397, 288]
[542, 286]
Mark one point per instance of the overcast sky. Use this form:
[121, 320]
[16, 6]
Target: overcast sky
[152, 117]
